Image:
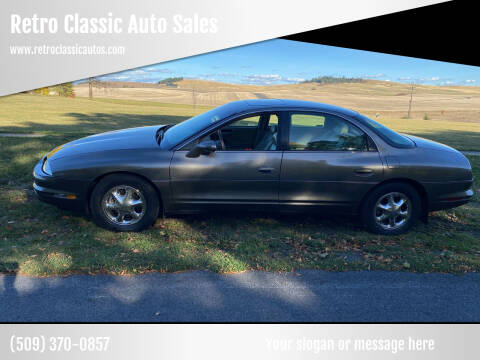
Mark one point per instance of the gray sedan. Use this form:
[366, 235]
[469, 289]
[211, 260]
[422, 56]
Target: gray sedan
[257, 154]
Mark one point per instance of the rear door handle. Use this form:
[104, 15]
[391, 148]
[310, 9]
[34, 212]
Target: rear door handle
[266, 170]
[364, 172]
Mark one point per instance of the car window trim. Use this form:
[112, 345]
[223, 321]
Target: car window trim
[288, 121]
[225, 122]
[284, 126]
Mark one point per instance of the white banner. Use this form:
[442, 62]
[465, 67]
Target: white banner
[48, 42]
[260, 341]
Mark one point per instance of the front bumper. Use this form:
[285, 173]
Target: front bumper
[64, 193]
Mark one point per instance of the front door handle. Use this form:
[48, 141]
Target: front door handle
[266, 170]
[364, 172]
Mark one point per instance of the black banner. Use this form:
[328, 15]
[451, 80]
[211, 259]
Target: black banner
[444, 32]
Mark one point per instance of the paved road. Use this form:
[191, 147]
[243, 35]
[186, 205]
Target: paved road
[477, 153]
[315, 296]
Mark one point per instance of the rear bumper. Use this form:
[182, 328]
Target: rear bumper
[451, 200]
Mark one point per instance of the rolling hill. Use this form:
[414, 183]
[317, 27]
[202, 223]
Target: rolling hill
[374, 98]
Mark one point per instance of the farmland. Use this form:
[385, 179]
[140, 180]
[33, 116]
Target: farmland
[39, 239]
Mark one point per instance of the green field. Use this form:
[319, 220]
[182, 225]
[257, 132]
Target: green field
[39, 239]
[62, 116]
[80, 116]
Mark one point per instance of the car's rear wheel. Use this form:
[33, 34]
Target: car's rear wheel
[391, 209]
[123, 202]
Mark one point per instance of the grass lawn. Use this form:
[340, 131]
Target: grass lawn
[53, 115]
[58, 116]
[39, 239]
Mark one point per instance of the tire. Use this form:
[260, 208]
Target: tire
[383, 204]
[123, 202]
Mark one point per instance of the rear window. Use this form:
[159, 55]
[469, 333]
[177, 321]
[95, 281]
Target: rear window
[391, 137]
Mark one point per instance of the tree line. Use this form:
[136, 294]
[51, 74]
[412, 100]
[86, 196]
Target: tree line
[333, 80]
[65, 90]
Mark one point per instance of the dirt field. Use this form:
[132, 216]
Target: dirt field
[387, 99]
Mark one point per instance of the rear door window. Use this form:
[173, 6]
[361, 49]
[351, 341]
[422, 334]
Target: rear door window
[324, 132]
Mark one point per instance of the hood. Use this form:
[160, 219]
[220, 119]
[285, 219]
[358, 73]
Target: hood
[429, 144]
[134, 138]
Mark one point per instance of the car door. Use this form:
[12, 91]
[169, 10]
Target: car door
[244, 169]
[328, 162]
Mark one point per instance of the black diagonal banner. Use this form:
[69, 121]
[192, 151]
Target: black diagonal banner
[444, 32]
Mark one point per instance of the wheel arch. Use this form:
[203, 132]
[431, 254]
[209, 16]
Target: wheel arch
[99, 178]
[422, 192]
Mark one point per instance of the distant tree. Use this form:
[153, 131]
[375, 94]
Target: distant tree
[42, 91]
[65, 89]
[333, 80]
[171, 81]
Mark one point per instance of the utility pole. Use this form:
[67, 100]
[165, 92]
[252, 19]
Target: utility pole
[90, 88]
[410, 102]
[194, 98]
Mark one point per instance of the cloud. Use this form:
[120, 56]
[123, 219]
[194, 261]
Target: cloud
[470, 81]
[118, 77]
[262, 79]
[267, 76]
[430, 79]
[213, 76]
[154, 69]
[269, 79]
[294, 79]
[228, 74]
[373, 76]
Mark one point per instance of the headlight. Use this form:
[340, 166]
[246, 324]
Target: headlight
[46, 167]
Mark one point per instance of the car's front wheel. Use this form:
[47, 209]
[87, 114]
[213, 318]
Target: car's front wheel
[391, 209]
[123, 202]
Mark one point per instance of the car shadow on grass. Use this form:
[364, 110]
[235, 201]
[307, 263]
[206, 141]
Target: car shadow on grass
[92, 123]
[461, 140]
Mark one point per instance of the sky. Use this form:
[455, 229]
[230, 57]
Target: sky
[280, 61]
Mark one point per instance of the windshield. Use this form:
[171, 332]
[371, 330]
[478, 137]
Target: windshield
[187, 128]
[391, 137]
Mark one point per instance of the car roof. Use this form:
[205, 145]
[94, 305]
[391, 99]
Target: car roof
[261, 104]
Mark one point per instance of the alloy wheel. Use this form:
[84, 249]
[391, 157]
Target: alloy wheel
[124, 205]
[392, 210]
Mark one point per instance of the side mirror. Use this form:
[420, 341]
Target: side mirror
[203, 148]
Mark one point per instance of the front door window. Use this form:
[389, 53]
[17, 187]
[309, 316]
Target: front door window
[251, 133]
